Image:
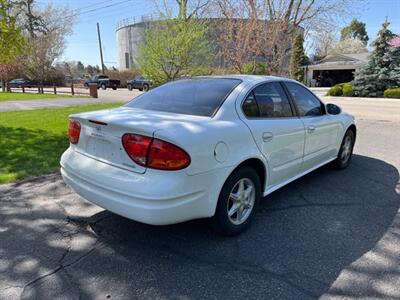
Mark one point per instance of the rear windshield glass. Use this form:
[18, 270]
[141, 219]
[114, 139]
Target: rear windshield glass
[197, 96]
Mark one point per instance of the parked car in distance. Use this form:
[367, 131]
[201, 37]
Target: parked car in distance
[140, 83]
[21, 82]
[103, 82]
[204, 147]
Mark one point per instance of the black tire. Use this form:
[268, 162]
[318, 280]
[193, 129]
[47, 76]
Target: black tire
[343, 159]
[221, 220]
[103, 86]
[140, 89]
[114, 88]
[146, 87]
[86, 86]
[129, 87]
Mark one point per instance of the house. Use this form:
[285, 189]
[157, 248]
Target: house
[334, 69]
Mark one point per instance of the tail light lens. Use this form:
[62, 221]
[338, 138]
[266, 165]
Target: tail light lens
[74, 131]
[136, 146]
[154, 153]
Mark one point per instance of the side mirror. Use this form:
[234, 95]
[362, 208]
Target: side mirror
[333, 109]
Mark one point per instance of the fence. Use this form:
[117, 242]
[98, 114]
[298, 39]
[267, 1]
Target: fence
[73, 89]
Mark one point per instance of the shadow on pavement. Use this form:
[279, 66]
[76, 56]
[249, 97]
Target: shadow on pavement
[303, 237]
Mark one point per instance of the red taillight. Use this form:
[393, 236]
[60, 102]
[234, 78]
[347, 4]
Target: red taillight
[136, 146]
[154, 153]
[74, 130]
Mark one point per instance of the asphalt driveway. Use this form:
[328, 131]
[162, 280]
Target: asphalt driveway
[332, 234]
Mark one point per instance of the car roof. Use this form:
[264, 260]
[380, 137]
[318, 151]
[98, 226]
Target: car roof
[248, 78]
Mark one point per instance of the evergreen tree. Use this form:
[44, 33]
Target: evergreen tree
[377, 75]
[298, 58]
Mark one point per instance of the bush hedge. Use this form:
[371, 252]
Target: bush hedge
[392, 93]
[341, 89]
[348, 90]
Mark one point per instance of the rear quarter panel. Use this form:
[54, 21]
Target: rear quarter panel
[213, 144]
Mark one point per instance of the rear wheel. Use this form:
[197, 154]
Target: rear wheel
[237, 202]
[346, 150]
[146, 87]
[129, 87]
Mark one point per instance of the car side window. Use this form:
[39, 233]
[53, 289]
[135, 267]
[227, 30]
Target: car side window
[307, 104]
[268, 100]
[250, 107]
[272, 101]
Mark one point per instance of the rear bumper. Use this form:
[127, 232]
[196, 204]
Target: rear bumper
[156, 197]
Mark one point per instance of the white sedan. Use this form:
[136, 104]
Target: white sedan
[204, 147]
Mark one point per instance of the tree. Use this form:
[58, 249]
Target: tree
[356, 30]
[297, 59]
[382, 68]
[80, 68]
[12, 44]
[45, 30]
[322, 39]
[265, 29]
[348, 46]
[174, 48]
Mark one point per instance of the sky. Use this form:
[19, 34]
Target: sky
[82, 45]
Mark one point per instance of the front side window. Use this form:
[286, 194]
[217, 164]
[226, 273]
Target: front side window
[194, 96]
[307, 104]
[267, 101]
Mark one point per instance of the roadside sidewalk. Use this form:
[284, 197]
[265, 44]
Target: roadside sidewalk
[108, 96]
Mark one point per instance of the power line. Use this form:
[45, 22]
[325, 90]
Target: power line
[95, 9]
[88, 6]
[102, 14]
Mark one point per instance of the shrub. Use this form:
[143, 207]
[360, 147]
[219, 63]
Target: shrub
[336, 90]
[348, 90]
[392, 93]
[341, 89]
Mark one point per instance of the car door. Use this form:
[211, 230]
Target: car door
[321, 129]
[278, 132]
[138, 82]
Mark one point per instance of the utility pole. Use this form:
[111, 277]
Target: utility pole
[101, 51]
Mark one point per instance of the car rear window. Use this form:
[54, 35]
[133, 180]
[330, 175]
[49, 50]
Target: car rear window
[195, 96]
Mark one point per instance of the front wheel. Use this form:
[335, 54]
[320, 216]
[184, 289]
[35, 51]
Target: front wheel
[346, 150]
[103, 87]
[146, 87]
[129, 87]
[237, 202]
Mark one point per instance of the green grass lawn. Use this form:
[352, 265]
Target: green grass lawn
[32, 141]
[5, 96]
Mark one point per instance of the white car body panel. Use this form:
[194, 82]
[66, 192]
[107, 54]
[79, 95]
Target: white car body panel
[99, 169]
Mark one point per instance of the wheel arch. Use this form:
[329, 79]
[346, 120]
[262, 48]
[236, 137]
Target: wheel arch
[259, 166]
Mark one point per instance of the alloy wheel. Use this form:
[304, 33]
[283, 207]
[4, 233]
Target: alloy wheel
[346, 149]
[241, 201]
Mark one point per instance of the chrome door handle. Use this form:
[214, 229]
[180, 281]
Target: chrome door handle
[310, 129]
[267, 136]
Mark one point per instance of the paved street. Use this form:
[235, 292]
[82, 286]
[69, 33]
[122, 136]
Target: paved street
[330, 235]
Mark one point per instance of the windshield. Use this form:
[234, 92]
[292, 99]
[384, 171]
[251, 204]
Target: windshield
[195, 96]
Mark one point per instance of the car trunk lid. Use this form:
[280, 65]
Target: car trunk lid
[102, 131]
